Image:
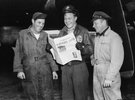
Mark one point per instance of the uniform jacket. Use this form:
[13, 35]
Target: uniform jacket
[30, 53]
[109, 51]
[83, 32]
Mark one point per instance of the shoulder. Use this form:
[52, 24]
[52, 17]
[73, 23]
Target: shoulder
[63, 31]
[44, 33]
[23, 32]
[115, 36]
[82, 28]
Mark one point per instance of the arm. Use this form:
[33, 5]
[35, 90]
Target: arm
[53, 65]
[52, 62]
[117, 57]
[18, 67]
[87, 45]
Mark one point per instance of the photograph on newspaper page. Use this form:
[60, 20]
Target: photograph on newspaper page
[64, 49]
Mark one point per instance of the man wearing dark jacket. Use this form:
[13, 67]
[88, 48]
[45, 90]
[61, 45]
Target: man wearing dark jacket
[75, 73]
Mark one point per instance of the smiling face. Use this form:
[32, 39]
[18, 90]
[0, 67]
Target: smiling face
[70, 20]
[98, 25]
[38, 24]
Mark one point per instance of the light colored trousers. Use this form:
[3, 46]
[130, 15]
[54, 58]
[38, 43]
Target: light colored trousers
[101, 93]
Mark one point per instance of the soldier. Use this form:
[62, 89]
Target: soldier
[75, 73]
[32, 63]
[107, 60]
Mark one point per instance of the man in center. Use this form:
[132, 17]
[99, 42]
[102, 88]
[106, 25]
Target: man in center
[75, 73]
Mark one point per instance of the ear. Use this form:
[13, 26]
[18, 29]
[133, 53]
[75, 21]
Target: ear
[105, 22]
[76, 18]
[32, 21]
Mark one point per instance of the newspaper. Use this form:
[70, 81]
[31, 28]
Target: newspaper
[64, 49]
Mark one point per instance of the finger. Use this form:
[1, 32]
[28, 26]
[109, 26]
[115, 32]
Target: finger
[20, 77]
[56, 76]
[109, 85]
[105, 85]
[53, 77]
[23, 76]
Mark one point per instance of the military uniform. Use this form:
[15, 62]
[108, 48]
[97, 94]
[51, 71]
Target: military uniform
[75, 73]
[109, 56]
[32, 59]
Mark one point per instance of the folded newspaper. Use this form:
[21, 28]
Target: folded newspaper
[64, 49]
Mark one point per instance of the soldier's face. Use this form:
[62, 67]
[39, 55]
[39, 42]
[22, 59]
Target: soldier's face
[38, 24]
[70, 20]
[98, 25]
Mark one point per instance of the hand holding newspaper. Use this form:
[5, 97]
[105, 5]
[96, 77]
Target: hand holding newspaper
[64, 49]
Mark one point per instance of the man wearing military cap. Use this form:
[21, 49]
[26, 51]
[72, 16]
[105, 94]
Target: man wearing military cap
[71, 9]
[33, 64]
[107, 59]
[75, 73]
[100, 15]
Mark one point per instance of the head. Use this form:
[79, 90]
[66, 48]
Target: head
[100, 21]
[38, 21]
[70, 16]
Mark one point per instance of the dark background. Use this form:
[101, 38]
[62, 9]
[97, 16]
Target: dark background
[16, 15]
[19, 12]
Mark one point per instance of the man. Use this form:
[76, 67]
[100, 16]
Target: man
[75, 73]
[107, 60]
[32, 63]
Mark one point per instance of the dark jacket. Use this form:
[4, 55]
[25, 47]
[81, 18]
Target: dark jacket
[80, 31]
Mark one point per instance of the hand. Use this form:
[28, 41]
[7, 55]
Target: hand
[48, 47]
[93, 61]
[79, 45]
[55, 75]
[21, 75]
[107, 83]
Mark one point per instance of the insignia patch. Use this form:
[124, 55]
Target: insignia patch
[79, 38]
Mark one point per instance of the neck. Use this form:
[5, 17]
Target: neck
[33, 30]
[104, 29]
[72, 28]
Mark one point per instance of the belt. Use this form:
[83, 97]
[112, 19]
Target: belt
[97, 62]
[74, 62]
[39, 58]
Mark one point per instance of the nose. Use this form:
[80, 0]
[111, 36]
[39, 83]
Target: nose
[41, 25]
[93, 26]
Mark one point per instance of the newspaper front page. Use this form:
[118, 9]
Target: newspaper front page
[64, 49]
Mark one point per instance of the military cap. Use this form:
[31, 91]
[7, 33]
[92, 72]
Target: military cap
[70, 9]
[39, 15]
[100, 15]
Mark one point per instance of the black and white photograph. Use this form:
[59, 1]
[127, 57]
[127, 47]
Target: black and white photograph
[33, 68]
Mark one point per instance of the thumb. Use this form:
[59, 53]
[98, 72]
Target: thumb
[23, 76]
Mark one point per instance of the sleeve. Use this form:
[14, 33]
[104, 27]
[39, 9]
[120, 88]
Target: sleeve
[88, 44]
[17, 65]
[52, 62]
[117, 57]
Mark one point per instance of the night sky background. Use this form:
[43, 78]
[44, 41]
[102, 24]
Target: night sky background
[19, 12]
[16, 14]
